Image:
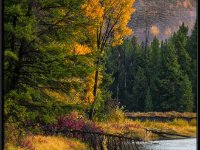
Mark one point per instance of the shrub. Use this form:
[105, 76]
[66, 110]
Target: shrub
[179, 122]
[27, 144]
[13, 131]
[73, 121]
[116, 115]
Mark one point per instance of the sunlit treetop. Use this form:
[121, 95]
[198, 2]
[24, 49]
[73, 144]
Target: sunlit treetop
[111, 18]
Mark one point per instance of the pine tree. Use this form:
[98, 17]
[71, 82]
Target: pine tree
[148, 101]
[180, 40]
[187, 99]
[155, 64]
[139, 91]
[46, 57]
[170, 79]
[192, 50]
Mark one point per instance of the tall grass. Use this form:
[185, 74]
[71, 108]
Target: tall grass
[40, 142]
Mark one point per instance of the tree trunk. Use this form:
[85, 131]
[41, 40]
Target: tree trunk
[95, 89]
[17, 67]
[118, 67]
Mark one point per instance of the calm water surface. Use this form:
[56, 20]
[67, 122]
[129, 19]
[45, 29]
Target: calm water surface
[179, 144]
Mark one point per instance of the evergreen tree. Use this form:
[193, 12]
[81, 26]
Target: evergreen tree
[187, 99]
[192, 50]
[155, 64]
[139, 91]
[180, 40]
[44, 57]
[170, 79]
[148, 101]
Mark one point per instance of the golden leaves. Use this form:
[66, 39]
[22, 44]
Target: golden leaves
[93, 9]
[111, 18]
[89, 86]
[81, 49]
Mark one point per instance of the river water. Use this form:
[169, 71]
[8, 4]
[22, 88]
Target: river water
[178, 144]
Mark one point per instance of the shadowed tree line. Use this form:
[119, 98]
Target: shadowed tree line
[161, 77]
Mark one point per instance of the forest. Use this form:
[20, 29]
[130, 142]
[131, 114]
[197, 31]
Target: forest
[81, 56]
[161, 76]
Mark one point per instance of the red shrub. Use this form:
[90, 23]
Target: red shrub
[74, 122]
[27, 144]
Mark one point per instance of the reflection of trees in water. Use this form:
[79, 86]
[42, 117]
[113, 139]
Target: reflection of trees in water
[167, 15]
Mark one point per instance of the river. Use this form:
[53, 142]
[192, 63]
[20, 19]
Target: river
[178, 144]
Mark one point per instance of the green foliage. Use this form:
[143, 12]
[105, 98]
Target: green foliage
[165, 74]
[10, 55]
[41, 59]
[186, 102]
[148, 102]
[116, 115]
[192, 50]
[139, 85]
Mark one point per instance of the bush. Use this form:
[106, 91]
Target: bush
[70, 122]
[116, 115]
[11, 132]
[73, 121]
[26, 144]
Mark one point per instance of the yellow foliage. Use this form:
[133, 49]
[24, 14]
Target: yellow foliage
[110, 15]
[59, 96]
[89, 87]
[81, 49]
[72, 98]
[10, 146]
[93, 10]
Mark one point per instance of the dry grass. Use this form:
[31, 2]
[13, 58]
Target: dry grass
[162, 114]
[136, 127]
[40, 142]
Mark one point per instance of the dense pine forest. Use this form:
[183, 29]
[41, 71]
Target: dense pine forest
[68, 56]
[161, 77]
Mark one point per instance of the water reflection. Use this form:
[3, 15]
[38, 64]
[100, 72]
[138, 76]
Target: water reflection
[179, 144]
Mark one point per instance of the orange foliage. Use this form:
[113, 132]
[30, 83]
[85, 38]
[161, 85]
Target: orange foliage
[110, 15]
[81, 49]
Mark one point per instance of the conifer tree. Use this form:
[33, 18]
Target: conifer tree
[148, 101]
[139, 91]
[187, 99]
[192, 50]
[180, 40]
[170, 79]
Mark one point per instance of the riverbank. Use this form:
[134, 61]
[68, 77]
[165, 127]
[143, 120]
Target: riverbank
[118, 125]
[161, 116]
[136, 128]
